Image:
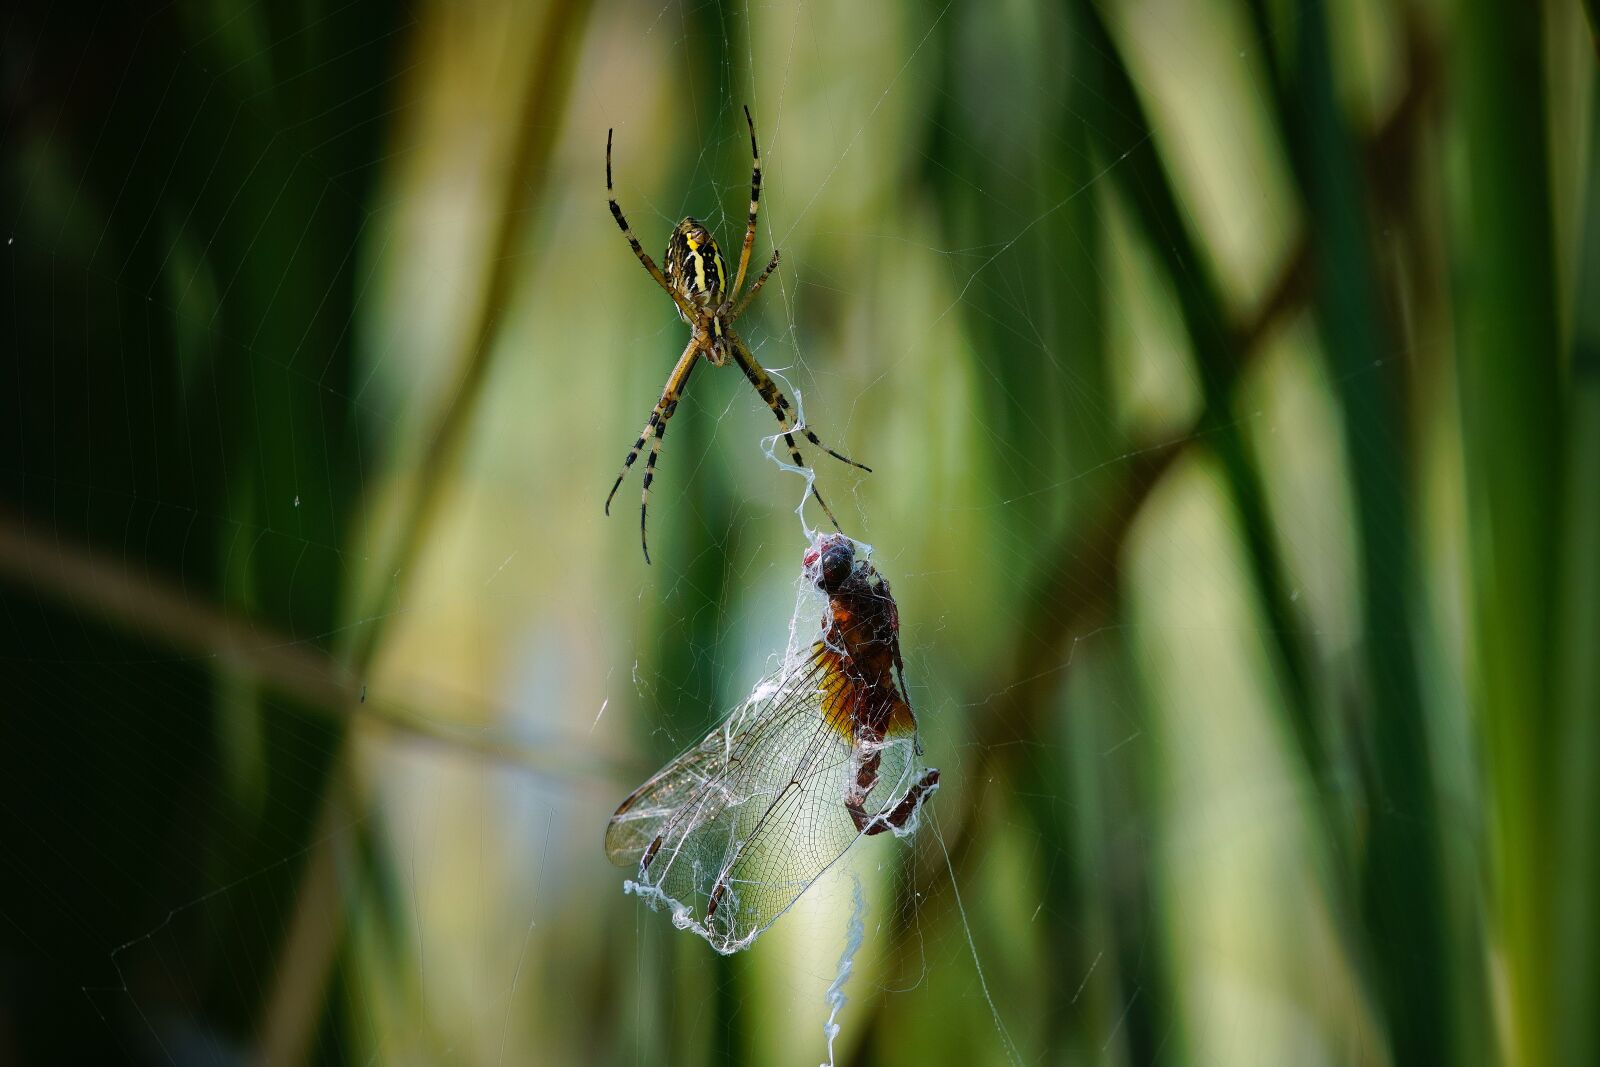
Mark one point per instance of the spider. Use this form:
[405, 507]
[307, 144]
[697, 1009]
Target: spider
[696, 279]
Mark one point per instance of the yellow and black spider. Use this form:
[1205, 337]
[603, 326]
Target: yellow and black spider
[697, 280]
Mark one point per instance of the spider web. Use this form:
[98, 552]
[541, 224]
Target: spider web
[270, 755]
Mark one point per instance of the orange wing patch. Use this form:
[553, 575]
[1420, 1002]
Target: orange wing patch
[853, 709]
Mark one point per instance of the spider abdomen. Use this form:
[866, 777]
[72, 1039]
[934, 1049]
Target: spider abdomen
[694, 265]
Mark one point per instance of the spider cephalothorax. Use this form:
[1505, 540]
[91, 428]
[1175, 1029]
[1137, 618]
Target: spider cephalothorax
[696, 277]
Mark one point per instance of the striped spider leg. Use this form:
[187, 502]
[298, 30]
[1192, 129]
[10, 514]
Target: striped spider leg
[696, 278]
[655, 428]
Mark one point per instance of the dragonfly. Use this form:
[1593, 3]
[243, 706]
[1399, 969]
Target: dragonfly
[729, 834]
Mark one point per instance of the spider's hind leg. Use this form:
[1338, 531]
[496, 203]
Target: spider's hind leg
[684, 310]
[755, 203]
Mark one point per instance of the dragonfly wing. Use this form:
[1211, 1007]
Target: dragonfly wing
[778, 851]
[641, 818]
[700, 781]
[731, 832]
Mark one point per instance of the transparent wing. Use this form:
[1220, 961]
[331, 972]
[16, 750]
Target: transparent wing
[733, 830]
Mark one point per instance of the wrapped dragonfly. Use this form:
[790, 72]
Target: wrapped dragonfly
[731, 832]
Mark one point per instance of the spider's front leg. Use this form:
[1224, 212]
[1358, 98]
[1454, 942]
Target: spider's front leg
[655, 428]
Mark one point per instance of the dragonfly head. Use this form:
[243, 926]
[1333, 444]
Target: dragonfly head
[829, 561]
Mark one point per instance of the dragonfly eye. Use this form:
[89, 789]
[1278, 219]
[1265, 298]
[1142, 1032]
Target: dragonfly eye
[836, 567]
[829, 562]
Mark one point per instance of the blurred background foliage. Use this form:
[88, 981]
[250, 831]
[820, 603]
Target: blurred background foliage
[1231, 373]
